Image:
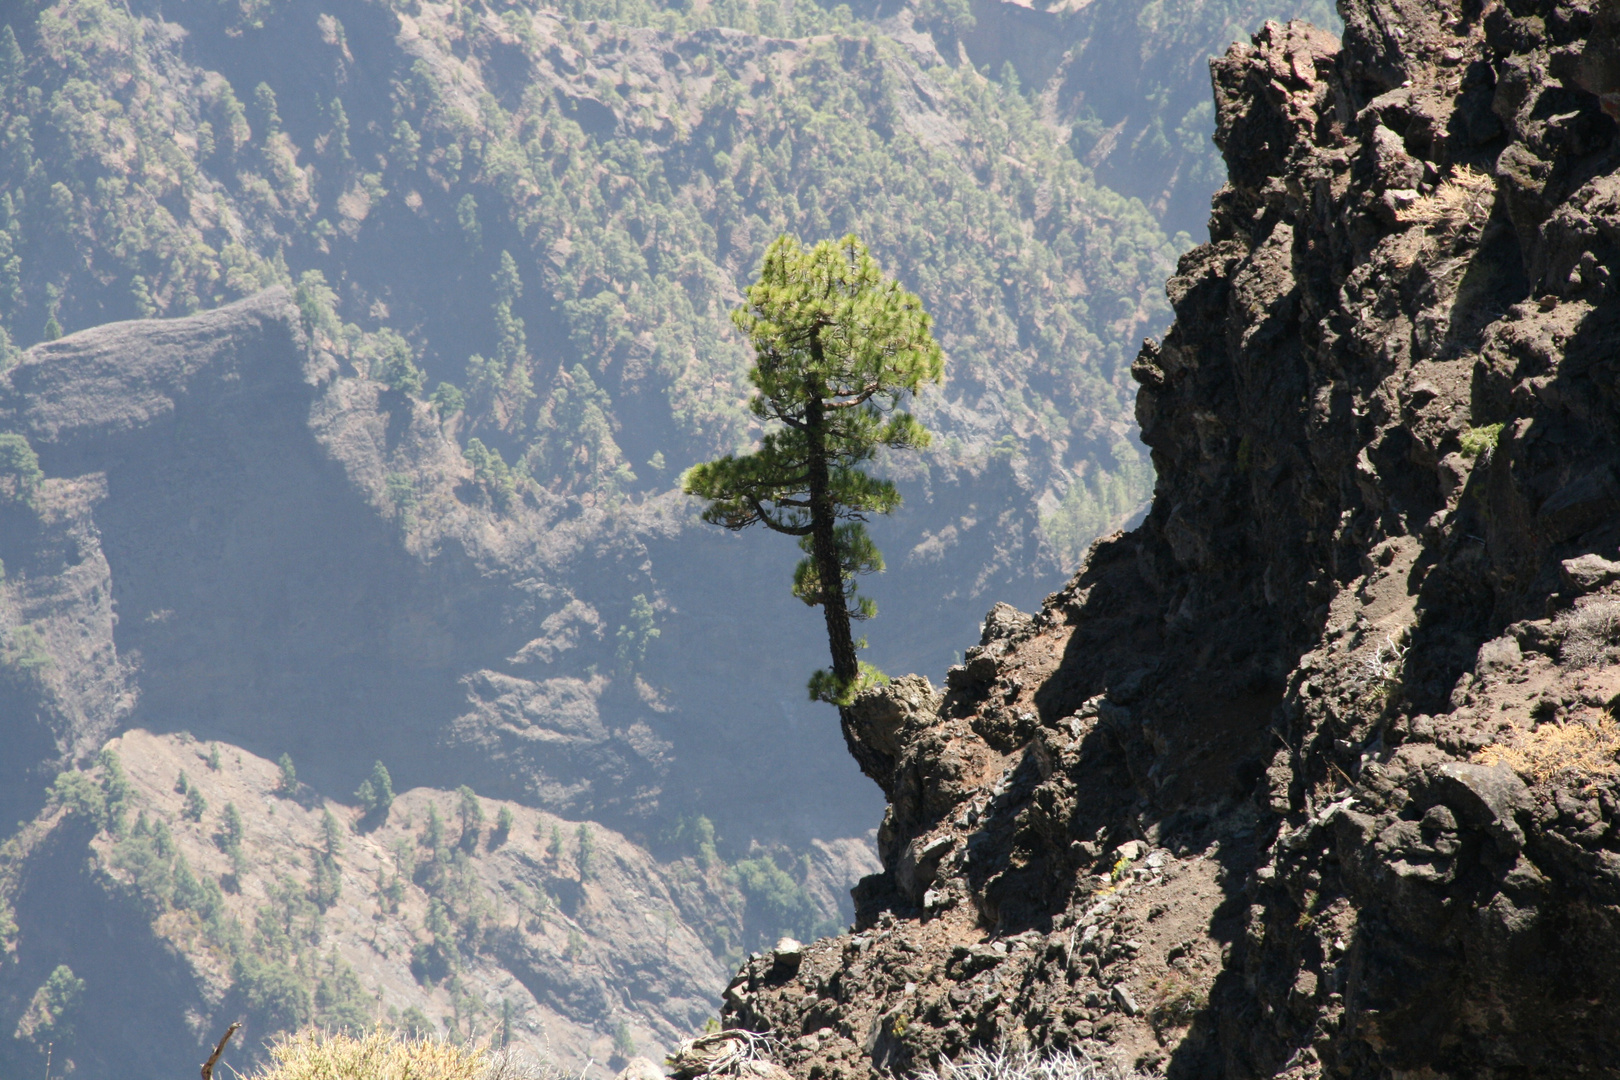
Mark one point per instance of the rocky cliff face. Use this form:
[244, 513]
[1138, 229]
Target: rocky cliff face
[1312, 773]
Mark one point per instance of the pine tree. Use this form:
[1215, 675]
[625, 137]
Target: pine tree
[433, 831]
[635, 635]
[229, 838]
[326, 882]
[196, 806]
[837, 347]
[471, 813]
[288, 783]
[20, 474]
[512, 359]
[11, 61]
[586, 850]
[376, 793]
[264, 100]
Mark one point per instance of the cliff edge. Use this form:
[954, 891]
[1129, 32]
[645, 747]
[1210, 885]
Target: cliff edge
[1314, 772]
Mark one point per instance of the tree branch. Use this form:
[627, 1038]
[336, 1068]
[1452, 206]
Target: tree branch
[213, 1059]
[862, 397]
[775, 526]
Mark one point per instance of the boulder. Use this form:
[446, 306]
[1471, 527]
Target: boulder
[1588, 573]
[1487, 798]
[640, 1068]
[1499, 654]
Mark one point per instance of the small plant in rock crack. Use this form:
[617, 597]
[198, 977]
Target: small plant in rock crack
[1308, 909]
[732, 1052]
[1464, 197]
[1380, 671]
[1174, 1001]
[1479, 440]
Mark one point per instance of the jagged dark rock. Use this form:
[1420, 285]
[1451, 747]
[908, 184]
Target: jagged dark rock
[1314, 772]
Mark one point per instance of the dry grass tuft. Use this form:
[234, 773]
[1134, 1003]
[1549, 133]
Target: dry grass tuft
[1578, 751]
[723, 1053]
[1587, 633]
[1006, 1064]
[1463, 197]
[381, 1055]
[1174, 1002]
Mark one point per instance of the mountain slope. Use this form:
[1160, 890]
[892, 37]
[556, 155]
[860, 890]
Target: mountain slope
[1126, 85]
[556, 215]
[481, 930]
[177, 567]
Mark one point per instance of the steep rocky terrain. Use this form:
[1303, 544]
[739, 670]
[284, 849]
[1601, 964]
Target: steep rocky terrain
[214, 534]
[1314, 772]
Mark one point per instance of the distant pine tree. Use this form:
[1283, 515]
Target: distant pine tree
[288, 783]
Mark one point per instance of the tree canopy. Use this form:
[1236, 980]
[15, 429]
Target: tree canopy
[837, 348]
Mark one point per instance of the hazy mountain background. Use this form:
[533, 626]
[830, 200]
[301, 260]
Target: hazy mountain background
[419, 506]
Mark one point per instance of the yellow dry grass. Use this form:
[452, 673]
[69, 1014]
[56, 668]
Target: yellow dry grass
[382, 1055]
[1462, 197]
[1580, 751]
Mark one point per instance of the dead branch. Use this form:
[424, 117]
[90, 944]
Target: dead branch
[213, 1059]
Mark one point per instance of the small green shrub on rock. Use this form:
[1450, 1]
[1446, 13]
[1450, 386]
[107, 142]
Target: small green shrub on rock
[1479, 440]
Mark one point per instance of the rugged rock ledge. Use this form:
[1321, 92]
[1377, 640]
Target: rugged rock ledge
[1314, 772]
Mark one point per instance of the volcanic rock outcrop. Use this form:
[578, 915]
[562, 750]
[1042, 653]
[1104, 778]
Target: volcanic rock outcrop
[1314, 772]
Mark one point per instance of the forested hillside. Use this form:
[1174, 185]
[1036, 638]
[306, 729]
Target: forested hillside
[1126, 84]
[553, 210]
[431, 514]
[547, 213]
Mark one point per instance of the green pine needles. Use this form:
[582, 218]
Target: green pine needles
[837, 348]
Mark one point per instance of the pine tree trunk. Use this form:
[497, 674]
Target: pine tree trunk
[824, 539]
